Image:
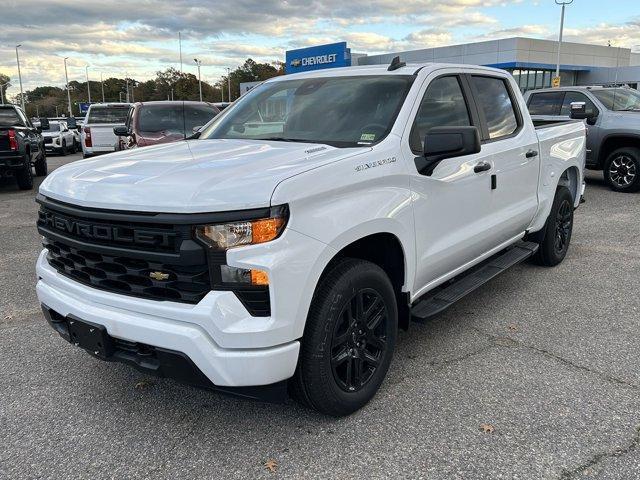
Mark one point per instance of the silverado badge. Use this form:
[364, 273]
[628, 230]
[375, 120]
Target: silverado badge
[159, 275]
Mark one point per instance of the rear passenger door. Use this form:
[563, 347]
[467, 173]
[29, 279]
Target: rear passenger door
[512, 146]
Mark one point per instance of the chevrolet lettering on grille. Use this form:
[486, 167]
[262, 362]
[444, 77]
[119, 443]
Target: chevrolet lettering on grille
[100, 232]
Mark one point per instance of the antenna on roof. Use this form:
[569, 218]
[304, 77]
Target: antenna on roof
[396, 64]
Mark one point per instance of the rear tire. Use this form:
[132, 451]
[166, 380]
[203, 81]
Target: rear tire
[622, 170]
[349, 339]
[556, 234]
[24, 176]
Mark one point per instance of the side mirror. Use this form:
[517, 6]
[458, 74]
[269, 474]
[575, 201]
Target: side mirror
[579, 112]
[196, 129]
[441, 143]
[121, 131]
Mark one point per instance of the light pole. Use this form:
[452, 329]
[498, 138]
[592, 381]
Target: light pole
[229, 82]
[199, 63]
[20, 76]
[102, 86]
[180, 47]
[86, 70]
[66, 76]
[563, 3]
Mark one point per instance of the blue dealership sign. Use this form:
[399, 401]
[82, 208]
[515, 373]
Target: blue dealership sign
[83, 107]
[318, 57]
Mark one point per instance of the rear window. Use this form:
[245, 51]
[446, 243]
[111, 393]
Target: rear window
[547, 103]
[495, 101]
[9, 117]
[53, 127]
[107, 114]
[174, 118]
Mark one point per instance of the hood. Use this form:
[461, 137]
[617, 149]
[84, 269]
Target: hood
[188, 177]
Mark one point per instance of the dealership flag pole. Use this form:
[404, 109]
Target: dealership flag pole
[180, 47]
[66, 76]
[198, 63]
[563, 3]
[20, 77]
[86, 70]
[102, 86]
[229, 83]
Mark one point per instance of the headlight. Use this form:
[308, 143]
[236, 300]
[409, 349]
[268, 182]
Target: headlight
[229, 235]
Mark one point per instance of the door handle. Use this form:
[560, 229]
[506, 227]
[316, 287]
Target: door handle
[482, 167]
[531, 154]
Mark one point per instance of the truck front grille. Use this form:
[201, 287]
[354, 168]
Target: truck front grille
[130, 276]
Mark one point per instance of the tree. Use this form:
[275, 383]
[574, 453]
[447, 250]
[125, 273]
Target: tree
[4, 84]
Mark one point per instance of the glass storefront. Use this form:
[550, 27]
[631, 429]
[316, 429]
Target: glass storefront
[531, 79]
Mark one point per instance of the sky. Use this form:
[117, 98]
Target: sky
[138, 38]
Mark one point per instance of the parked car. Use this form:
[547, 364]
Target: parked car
[150, 123]
[97, 132]
[250, 263]
[59, 138]
[21, 147]
[613, 125]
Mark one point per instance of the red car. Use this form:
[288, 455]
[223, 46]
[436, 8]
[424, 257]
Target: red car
[150, 123]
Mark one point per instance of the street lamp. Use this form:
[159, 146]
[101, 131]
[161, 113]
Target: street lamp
[20, 76]
[86, 71]
[199, 63]
[563, 3]
[2, 85]
[229, 81]
[66, 76]
[102, 86]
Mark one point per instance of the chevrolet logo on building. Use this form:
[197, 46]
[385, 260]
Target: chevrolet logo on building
[296, 62]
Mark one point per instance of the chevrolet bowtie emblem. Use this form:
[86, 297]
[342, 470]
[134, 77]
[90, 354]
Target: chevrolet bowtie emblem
[159, 275]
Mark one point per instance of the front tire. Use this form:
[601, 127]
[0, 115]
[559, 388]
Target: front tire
[622, 170]
[556, 234]
[41, 165]
[24, 176]
[349, 339]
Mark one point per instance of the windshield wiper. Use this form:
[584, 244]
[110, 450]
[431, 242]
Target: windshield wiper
[629, 110]
[284, 139]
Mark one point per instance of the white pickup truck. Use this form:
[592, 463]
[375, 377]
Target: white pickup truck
[285, 260]
[97, 135]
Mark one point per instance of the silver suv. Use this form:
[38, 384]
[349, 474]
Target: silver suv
[613, 123]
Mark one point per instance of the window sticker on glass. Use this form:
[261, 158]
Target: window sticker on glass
[367, 137]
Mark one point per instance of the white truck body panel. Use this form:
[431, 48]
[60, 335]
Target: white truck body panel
[445, 223]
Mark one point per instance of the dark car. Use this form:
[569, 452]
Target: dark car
[151, 123]
[21, 147]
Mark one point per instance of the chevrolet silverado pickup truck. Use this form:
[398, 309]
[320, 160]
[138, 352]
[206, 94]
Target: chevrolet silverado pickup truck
[282, 260]
[612, 117]
[21, 147]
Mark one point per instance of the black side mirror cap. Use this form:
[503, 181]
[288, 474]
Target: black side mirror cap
[441, 143]
[121, 131]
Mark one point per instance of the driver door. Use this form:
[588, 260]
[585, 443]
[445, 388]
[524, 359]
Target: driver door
[452, 205]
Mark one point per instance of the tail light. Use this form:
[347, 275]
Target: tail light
[13, 142]
[87, 137]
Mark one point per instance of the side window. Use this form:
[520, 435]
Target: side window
[494, 101]
[576, 97]
[23, 117]
[547, 103]
[443, 105]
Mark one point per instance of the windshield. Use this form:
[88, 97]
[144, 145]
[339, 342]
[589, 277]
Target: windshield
[338, 111]
[9, 117]
[108, 114]
[174, 118]
[53, 127]
[618, 99]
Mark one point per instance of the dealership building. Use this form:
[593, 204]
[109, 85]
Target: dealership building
[532, 62]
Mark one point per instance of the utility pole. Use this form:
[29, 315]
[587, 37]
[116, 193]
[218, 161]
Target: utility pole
[127, 85]
[20, 76]
[180, 47]
[66, 76]
[102, 87]
[564, 3]
[199, 63]
[86, 70]
[229, 82]
[56, 110]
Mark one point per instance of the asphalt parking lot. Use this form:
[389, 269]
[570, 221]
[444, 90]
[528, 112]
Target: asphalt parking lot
[545, 358]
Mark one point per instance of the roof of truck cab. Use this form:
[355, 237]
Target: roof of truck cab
[408, 69]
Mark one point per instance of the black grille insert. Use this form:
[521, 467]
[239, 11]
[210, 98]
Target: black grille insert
[130, 276]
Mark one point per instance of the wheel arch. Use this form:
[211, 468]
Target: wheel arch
[386, 250]
[612, 142]
[570, 179]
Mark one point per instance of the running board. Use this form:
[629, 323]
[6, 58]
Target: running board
[435, 302]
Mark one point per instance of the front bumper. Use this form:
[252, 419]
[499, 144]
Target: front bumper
[181, 328]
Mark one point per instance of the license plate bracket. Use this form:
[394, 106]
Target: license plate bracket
[90, 336]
